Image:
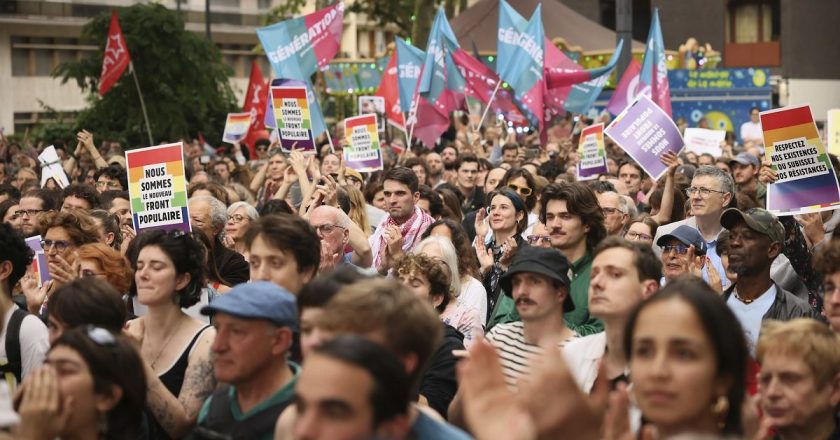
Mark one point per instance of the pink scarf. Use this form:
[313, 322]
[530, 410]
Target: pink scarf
[411, 230]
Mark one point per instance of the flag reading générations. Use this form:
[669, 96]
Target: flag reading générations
[292, 116]
[646, 132]
[157, 188]
[520, 59]
[832, 131]
[806, 180]
[593, 155]
[362, 151]
[236, 127]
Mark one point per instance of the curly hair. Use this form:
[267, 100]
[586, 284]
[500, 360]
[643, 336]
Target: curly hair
[114, 265]
[827, 260]
[79, 226]
[414, 265]
[188, 256]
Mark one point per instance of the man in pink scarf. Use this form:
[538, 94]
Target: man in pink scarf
[400, 231]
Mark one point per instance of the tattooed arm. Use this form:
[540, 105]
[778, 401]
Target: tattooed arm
[177, 415]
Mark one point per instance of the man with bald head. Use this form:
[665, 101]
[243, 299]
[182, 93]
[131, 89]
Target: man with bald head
[333, 228]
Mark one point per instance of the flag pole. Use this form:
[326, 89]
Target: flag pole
[490, 101]
[405, 132]
[142, 103]
[329, 139]
[414, 112]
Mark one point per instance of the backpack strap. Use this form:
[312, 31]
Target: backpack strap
[14, 364]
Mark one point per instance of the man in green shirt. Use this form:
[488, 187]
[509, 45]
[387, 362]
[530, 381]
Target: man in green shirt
[254, 324]
[575, 223]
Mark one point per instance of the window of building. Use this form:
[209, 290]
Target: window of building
[752, 21]
[39, 56]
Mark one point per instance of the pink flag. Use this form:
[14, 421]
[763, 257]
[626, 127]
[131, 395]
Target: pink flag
[627, 89]
[480, 79]
[430, 123]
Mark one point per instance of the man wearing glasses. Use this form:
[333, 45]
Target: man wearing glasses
[683, 252]
[31, 205]
[616, 211]
[336, 231]
[710, 193]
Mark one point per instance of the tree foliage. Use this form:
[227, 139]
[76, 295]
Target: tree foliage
[184, 81]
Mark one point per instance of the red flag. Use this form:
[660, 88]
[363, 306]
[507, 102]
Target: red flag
[116, 57]
[480, 79]
[255, 101]
[431, 123]
[389, 90]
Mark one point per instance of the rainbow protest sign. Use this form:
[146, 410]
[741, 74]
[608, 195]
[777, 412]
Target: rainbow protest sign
[157, 188]
[361, 151]
[807, 182]
[236, 127]
[294, 123]
[593, 157]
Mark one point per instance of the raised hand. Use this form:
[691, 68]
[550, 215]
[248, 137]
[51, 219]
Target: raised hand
[44, 412]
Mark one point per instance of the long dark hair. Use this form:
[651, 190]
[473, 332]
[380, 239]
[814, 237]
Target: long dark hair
[112, 360]
[513, 173]
[188, 256]
[721, 327]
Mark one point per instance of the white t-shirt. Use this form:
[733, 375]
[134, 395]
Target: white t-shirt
[751, 130]
[750, 315]
[473, 294]
[34, 342]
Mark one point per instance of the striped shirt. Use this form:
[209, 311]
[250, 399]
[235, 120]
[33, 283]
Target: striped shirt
[515, 354]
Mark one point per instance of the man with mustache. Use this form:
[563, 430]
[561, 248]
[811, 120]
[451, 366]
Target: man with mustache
[538, 282]
[755, 239]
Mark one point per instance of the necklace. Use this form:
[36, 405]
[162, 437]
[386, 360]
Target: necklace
[165, 344]
[745, 301]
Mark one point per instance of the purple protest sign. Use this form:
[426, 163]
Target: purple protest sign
[593, 156]
[646, 132]
[39, 262]
[292, 114]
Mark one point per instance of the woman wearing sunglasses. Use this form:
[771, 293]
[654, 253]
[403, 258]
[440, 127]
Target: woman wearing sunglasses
[169, 274]
[522, 182]
[506, 218]
[91, 387]
[97, 260]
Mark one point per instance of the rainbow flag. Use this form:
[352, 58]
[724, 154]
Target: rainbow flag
[157, 187]
[236, 127]
[807, 182]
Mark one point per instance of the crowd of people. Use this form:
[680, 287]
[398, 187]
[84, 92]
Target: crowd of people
[472, 290]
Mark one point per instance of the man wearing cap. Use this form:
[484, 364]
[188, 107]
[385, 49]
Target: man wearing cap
[755, 239]
[684, 252]
[254, 324]
[745, 169]
[538, 282]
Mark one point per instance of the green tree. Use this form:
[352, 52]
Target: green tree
[184, 81]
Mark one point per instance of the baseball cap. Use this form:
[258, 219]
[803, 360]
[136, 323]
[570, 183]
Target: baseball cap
[687, 236]
[746, 159]
[257, 300]
[543, 261]
[686, 170]
[350, 172]
[757, 219]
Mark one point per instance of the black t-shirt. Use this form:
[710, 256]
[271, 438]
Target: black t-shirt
[439, 383]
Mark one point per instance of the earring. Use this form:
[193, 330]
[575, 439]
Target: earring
[720, 408]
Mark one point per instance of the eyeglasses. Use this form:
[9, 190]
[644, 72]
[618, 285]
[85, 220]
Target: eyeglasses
[237, 218]
[704, 192]
[100, 336]
[108, 184]
[524, 190]
[680, 249]
[828, 289]
[60, 245]
[534, 239]
[611, 211]
[87, 273]
[28, 212]
[326, 228]
[633, 235]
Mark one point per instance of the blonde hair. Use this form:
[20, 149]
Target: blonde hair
[358, 211]
[804, 338]
[450, 259]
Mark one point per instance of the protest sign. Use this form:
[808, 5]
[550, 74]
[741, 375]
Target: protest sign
[646, 132]
[236, 127]
[157, 188]
[703, 140]
[291, 113]
[361, 149]
[593, 157]
[807, 182]
[51, 168]
[375, 105]
[39, 267]
[832, 131]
